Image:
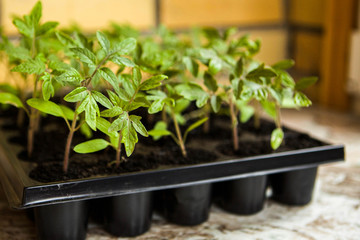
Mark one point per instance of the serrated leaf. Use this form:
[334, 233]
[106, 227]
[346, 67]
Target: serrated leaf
[100, 98]
[48, 90]
[46, 28]
[193, 92]
[129, 138]
[36, 13]
[31, 66]
[85, 56]
[103, 40]
[114, 98]
[210, 82]
[287, 80]
[47, 107]
[237, 86]
[77, 95]
[59, 66]
[65, 39]
[246, 111]
[191, 65]
[136, 76]
[83, 104]
[110, 77]
[215, 102]
[275, 94]
[306, 82]
[17, 52]
[119, 123]
[159, 130]
[123, 61]
[152, 82]
[239, 67]
[139, 127]
[127, 85]
[91, 111]
[70, 76]
[23, 28]
[112, 112]
[284, 64]
[301, 99]
[91, 146]
[9, 98]
[261, 72]
[103, 125]
[215, 65]
[156, 106]
[277, 136]
[125, 46]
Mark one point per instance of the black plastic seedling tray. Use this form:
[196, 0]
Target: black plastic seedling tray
[24, 192]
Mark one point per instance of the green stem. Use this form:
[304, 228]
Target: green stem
[118, 152]
[278, 116]
[234, 125]
[178, 134]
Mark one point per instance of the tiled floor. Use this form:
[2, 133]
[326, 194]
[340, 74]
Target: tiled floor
[333, 214]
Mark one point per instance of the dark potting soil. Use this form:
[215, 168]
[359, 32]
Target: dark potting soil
[253, 148]
[89, 165]
[173, 156]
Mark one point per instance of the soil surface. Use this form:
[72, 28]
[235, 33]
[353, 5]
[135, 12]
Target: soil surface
[50, 143]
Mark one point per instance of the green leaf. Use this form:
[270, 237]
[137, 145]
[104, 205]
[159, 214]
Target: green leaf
[110, 77]
[246, 111]
[91, 111]
[129, 138]
[159, 130]
[31, 66]
[47, 88]
[114, 98]
[46, 28]
[127, 85]
[9, 98]
[136, 76]
[276, 138]
[70, 76]
[156, 106]
[284, 64]
[301, 99]
[261, 72]
[103, 125]
[100, 98]
[36, 13]
[65, 39]
[191, 65]
[152, 82]
[23, 28]
[112, 112]
[306, 82]
[123, 61]
[210, 82]
[215, 102]
[125, 46]
[193, 92]
[239, 68]
[139, 127]
[103, 40]
[91, 146]
[193, 126]
[77, 95]
[237, 86]
[68, 113]
[47, 107]
[287, 80]
[17, 52]
[215, 65]
[269, 108]
[119, 123]
[85, 56]
[86, 130]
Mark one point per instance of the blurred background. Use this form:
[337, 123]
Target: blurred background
[322, 36]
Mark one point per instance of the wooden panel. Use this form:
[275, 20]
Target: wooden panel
[307, 12]
[273, 45]
[95, 14]
[307, 52]
[180, 13]
[89, 14]
[335, 54]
